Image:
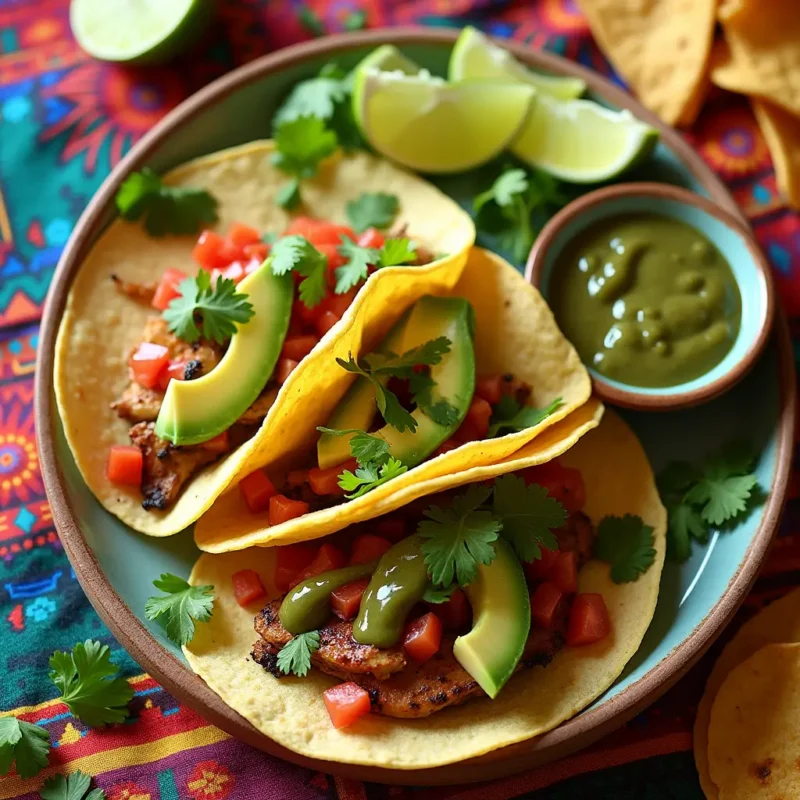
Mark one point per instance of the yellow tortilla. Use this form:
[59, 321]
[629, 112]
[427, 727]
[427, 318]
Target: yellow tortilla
[782, 133]
[778, 622]
[100, 326]
[618, 480]
[516, 333]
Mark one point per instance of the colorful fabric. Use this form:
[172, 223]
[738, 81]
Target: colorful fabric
[65, 121]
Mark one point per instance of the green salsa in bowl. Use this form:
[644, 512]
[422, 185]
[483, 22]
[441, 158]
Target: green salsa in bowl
[667, 299]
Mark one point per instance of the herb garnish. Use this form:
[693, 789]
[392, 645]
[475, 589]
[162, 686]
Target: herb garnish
[24, 743]
[298, 254]
[89, 683]
[627, 544]
[393, 253]
[372, 210]
[70, 787]
[166, 209]
[364, 447]
[182, 605]
[310, 21]
[219, 307]
[396, 252]
[510, 416]
[369, 476]
[437, 595]
[295, 657]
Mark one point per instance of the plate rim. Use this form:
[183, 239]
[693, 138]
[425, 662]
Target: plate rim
[177, 677]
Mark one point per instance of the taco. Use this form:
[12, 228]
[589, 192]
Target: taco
[168, 378]
[451, 627]
[464, 379]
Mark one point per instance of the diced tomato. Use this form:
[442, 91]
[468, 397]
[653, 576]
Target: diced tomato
[455, 614]
[346, 702]
[371, 237]
[565, 484]
[207, 250]
[368, 547]
[331, 252]
[284, 370]
[302, 226]
[544, 604]
[298, 347]
[175, 371]
[537, 570]
[242, 235]
[257, 252]
[392, 528]
[290, 561]
[346, 600]
[221, 443]
[147, 363]
[328, 557]
[325, 322]
[328, 233]
[234, 272]
[588, 620]
[476, 423]
[308, 316]
[296, 477]
[124, 465]
[423, 637]
[490, 388]
[257, 490]
[564, 572]
[445, 447]
[229, 252]
[167, 289]
[326, 481]
[282, 509]
[247, 587]
[339, 303]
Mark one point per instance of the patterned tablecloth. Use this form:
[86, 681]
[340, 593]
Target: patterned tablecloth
[65, 121]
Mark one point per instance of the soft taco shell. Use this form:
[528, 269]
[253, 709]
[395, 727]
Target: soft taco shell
[516, 332]
[618, 480]
[100, 326]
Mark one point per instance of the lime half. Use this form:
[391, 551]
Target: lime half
[476, 56]
[137, 31]
[582, 142]
[387, 58]
[429, 125]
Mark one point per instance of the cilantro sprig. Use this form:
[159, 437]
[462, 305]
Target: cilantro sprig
[627, 544]
[369, 476]
[165, 209]
[89, 683]
[364, 447]
[180, 607]
[24, 743]
[295, 657]
[74, 786]
[372, 210]
[298, 254]
[218, 307]
[510, 416]
[394, 252]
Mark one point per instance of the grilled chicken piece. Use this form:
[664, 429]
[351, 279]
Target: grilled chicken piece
[263, 403]
[577, 535]
[138, 404]
[140, 292]
[166, 468]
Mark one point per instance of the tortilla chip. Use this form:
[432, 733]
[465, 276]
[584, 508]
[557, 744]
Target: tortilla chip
[754, 737]
[778, 622]
[516, 333]
[762, 57]
[660, 47]
[618, 480]
[782, 133]
[100, 327]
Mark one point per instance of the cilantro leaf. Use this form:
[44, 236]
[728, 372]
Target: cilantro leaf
[182, 605]
[396, 252]
[166, 209]
[372, 210]
[356, 20]
[288, 195]
[510, 415]
[421, 386]
[426, 354]
[355, 269]
[25, 743]
[529, 516]
[437, 595]
[369, 477]
[89, 683]
[677, 477]
[70, 787]
[310, 21]
[459, 538]
[219, 307]
[685, 523]
[295, 657]
[503, 191]
[315, 97]
[301, 144]
[364, 447]
[627, 544]
[298, 254]
[722, 497]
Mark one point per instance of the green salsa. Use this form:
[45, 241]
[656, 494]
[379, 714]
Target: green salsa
[646, 300]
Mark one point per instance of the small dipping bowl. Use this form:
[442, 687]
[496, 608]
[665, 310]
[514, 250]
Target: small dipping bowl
[748, 264]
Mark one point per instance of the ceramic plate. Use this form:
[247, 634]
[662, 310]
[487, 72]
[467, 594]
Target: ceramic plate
[115, 565]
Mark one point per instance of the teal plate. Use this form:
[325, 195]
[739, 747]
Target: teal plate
[116, 565]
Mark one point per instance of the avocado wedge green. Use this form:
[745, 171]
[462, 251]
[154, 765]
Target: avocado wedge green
[196, 411]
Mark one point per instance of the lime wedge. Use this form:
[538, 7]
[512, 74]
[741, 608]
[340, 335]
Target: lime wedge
[137, 31]
[476, 56]
[582, 142]
[426, 124]
[387, 58]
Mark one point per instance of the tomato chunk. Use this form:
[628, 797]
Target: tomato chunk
[207, 250]
[346, 702]
[544, 604]
[368, 547]
[331, 252]
[229, 252]
[328, 557]
[175, 371]
[588, 620]
[564, 484]
[339, 303]
[257, 491]
[147, 362]
[392, 528]
[221, 443]
[326, 481]
[371, 237]
[297, 348]
[325, 322]
[256, 252]
[423, 637]
[302, 226]
[346, 600]
[476, 423]
[247, 587]
[167, 289]
[445, 447]
[282, 509]
[538, 570]
[241, 234]
[290, 561]
[284, 369]
[235, 272]
[327, 233]
[564, 572]
[490, 388]
[124, 465]
[456, 613]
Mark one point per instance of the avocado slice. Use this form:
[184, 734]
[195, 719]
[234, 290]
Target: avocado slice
[196, 411]
[501, 613]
